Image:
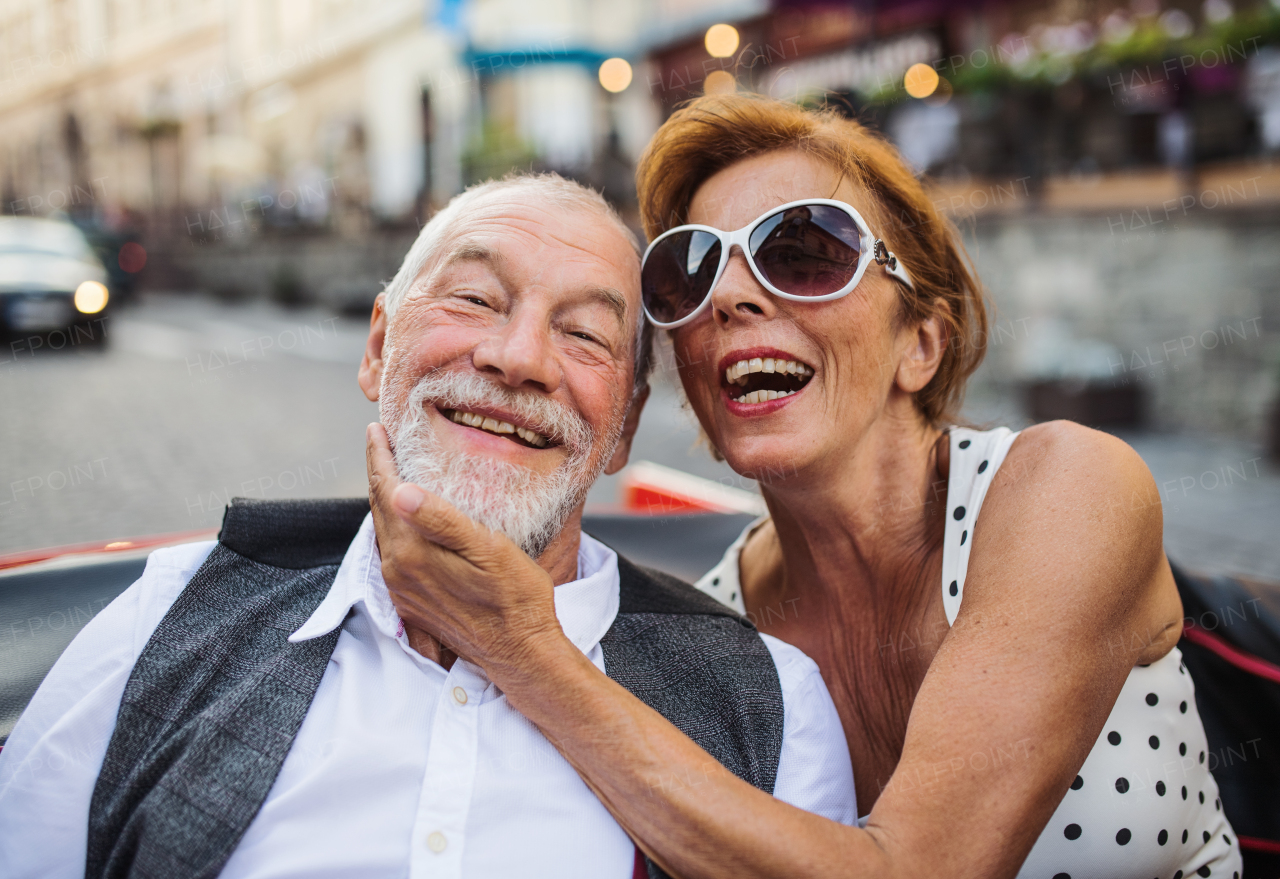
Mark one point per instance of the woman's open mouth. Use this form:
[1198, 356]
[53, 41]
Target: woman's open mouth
[762, 379]
[520, 435]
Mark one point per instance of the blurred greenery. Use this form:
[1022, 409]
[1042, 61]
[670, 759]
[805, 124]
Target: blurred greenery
[495, 152]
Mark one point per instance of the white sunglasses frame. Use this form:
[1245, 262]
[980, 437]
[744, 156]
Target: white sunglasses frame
[870, 248]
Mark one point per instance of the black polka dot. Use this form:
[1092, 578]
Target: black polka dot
[1113, 737]
[1182, 748]
[1154, 742]
[732, 596]
[954, 588]
[1202, 756]
[1160, 788]
[1078, 783]
[983, 466]
[1202, 803]
[1183, 707]
[1226, 839]
[1152, 698]
[1204, 871]
[959, 513]
[1184, 837]
[1184, 796]
[964, 444]
[964, 535]
[1122, 785]
[1072, 831]
[715, 581]
[1061, 876]
[1177, 875]
[1123, 836]
[1207, 836]
[1163, 837]
[1217, 805]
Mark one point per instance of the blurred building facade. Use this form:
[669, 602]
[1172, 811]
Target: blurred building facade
[197, 103]
[310, 111]
[235, 137]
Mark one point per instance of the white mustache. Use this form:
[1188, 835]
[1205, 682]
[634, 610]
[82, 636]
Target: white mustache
[529, 507]
[448, 389]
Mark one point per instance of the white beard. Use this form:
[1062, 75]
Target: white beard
[528, 507]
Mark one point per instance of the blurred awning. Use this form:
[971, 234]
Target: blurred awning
[496, 63]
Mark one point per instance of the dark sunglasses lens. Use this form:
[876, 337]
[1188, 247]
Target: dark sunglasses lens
[807, 250]
[678, 273]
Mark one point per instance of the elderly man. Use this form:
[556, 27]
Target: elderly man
[258, 707]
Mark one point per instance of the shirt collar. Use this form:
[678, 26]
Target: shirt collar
[585, 607]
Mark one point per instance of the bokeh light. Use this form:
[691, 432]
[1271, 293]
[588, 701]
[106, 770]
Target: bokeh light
[722, 40]
[615, 74]
[91, 297]
[921, 80]
[720, 82]
[132, 257]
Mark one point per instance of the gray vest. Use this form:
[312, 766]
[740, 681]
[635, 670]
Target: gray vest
[218, 693]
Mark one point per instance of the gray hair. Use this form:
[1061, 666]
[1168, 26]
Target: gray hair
[550, 187]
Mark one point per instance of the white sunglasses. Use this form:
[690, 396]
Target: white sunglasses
[813, 250]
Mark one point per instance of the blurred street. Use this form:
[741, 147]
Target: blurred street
[189, 403]
[194, 401]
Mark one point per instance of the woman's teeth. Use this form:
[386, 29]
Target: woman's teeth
[493, 425]
[762, 396]
[737, 374]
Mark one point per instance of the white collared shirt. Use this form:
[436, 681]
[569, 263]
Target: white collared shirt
[400, 768]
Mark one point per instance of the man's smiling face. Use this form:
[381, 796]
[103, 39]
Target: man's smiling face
[508, 365]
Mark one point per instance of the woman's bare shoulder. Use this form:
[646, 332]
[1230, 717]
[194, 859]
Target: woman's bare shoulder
[1072, 525]
[1065, 465]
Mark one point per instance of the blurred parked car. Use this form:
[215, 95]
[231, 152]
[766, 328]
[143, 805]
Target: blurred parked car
[52, 284]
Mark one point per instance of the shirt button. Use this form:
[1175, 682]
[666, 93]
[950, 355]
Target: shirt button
[460, 695]
[436, 841]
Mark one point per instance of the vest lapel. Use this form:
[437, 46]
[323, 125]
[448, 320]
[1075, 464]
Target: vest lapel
[207, 718]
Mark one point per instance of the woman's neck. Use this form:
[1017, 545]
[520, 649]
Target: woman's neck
[851, 575]
[869, 520]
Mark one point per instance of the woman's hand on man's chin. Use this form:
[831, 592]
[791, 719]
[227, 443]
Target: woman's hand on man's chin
[473, 590]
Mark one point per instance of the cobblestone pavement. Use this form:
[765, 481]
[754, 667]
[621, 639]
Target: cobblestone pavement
[194, 401]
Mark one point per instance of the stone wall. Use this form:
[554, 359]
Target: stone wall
[339, 272]
[1188, 308]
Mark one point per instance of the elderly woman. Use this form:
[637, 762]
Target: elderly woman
[1010, 691]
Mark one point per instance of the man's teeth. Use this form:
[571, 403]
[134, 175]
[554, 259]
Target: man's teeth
[739, 371]
[762, 396]
[493, 425]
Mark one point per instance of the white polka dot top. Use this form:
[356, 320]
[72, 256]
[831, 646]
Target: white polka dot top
[1144, 803]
